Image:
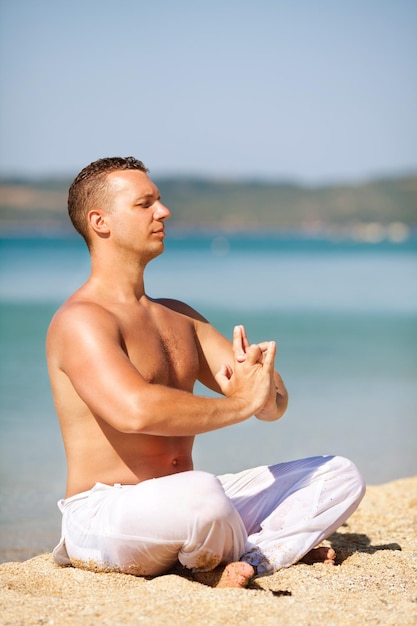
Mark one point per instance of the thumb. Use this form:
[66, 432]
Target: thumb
[224, 374]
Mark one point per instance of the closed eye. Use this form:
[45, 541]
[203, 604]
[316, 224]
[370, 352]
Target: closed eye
[147, 201]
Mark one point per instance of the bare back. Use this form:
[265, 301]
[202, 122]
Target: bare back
[160, 344]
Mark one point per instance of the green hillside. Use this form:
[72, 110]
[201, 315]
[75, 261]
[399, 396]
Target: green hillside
[231, 205]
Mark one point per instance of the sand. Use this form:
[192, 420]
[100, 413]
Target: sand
[373, 582]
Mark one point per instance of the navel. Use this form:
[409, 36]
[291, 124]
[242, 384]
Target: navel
[174, 462]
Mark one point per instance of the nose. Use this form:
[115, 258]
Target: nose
[161, 212]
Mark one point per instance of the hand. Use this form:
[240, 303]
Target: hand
[277, 401]
[252, 373]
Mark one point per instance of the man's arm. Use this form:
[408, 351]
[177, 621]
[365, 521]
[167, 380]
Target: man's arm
[84, 342]
[215, 350]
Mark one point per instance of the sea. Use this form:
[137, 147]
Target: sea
[343, 314]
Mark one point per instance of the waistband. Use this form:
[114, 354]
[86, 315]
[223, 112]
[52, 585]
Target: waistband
[64, 502]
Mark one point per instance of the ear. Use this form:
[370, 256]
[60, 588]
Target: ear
[98, 222]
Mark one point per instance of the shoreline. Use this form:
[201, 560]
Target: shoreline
[373, 582]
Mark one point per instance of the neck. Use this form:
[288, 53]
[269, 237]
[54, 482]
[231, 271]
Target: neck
[119, 278]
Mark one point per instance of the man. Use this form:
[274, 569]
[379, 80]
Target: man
[122, 368]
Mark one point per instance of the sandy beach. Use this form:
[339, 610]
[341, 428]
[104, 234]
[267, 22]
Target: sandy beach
[374, 581]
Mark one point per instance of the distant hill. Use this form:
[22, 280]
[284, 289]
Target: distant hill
[40, 206]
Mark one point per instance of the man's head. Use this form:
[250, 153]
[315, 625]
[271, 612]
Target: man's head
[90, 189]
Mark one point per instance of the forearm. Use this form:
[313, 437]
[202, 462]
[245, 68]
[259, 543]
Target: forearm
[165, 411]
[246, 387]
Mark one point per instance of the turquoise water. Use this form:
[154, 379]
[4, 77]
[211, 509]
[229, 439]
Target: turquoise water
[344, 317]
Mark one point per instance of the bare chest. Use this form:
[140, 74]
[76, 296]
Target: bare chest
[163, 349]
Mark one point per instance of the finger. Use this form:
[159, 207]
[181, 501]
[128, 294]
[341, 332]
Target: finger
[237, 344]
[269, 356]
[264, 345]
[228, 371]
[253, 354]
[245, 342]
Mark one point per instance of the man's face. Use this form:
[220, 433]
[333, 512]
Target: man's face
[135, 213]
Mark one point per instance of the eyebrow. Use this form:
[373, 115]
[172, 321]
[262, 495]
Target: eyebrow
[146, 196]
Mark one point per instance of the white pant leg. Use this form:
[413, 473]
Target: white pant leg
[289, 508]
[144, 529]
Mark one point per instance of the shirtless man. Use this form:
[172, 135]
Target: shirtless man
[122, 368]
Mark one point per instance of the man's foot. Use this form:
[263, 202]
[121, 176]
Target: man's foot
[232, 576]
[319, 555]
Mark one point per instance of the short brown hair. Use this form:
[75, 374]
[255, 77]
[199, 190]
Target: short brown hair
[89, 188]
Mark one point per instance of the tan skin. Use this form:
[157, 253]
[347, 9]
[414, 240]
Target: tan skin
[123, 366]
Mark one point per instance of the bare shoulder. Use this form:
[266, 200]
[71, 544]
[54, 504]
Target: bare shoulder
[181, 307]
[75, 311]
[78, 322]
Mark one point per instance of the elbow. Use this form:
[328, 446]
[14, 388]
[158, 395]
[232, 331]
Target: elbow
[135, 418]
[270, 417]
[274, 413]
[147, 411]
[281, 402]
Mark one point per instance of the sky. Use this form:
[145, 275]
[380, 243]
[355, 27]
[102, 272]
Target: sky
[309, 91]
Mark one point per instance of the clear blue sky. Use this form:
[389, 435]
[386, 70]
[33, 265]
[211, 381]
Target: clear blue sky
[312, 90]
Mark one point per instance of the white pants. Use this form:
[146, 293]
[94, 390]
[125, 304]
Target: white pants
[268, 516]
